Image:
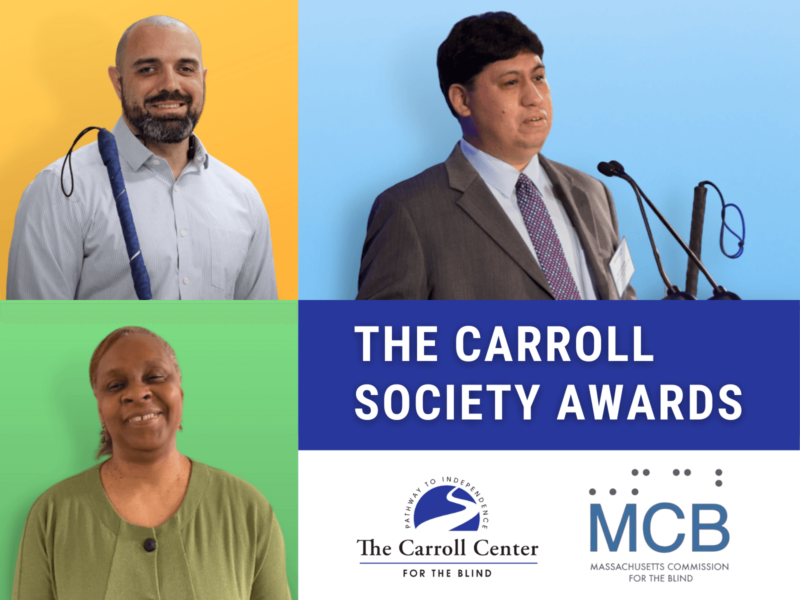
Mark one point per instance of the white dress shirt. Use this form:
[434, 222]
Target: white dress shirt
[501, 179]
[204, 236]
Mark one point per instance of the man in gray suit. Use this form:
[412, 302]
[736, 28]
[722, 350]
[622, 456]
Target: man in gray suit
[497, 220]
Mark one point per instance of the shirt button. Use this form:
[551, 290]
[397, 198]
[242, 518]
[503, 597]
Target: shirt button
[175, 188]
[183, 233]
[185, 281]
[198, 159]
[149, 544]
[156, 162]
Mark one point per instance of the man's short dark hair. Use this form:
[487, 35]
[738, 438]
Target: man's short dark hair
[480, 40]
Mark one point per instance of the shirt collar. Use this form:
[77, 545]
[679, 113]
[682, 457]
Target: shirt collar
[130, 148]
[200, 157]
[135, 153]
[498, 174]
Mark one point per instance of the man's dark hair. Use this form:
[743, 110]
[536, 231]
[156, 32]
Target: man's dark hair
[480, 40]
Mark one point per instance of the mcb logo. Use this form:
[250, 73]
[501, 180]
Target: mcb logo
[629, 521]
[447, 508]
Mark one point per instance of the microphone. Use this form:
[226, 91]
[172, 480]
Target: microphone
[614, 169]
[720, 293]
[606, 169]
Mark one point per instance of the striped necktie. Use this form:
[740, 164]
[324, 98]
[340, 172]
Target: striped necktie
[545, 241]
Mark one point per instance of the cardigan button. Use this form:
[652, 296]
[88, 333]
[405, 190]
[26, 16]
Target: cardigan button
[149, 544]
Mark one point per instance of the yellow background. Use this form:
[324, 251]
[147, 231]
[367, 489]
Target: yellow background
[55, 84]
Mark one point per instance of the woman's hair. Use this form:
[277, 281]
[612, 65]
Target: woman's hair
[103, 347]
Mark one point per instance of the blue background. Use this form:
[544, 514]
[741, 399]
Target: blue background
[678, 92]
[753, 345]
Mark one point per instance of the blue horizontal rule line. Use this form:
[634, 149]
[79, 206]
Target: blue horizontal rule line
[448, 563]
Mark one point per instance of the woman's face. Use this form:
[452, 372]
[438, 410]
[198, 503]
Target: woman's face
[139, 395]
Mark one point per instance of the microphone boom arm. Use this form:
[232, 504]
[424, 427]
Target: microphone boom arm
[614, 169]
[674, 233]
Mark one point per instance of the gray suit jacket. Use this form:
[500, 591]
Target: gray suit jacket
[442, 236]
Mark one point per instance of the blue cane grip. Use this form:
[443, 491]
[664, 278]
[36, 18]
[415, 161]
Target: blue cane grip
[108, 151]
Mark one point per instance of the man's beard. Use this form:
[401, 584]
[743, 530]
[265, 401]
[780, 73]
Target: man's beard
[162, 130]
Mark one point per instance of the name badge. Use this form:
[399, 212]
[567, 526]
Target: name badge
[621, 265]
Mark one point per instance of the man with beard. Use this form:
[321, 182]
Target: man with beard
[202, 228]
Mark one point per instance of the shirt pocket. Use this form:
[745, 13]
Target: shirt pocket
[228, 253]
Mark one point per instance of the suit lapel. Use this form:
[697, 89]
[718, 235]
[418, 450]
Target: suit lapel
[479, 203]
[579, 208]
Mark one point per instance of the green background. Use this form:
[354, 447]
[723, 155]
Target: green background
[239, 367]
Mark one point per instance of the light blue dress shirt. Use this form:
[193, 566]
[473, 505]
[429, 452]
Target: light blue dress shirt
[501, 179]
[205, 236]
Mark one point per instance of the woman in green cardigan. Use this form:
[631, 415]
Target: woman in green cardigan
[148, 523]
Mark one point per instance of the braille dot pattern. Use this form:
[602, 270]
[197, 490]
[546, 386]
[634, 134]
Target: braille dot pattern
[545, 240]
[646, 472]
